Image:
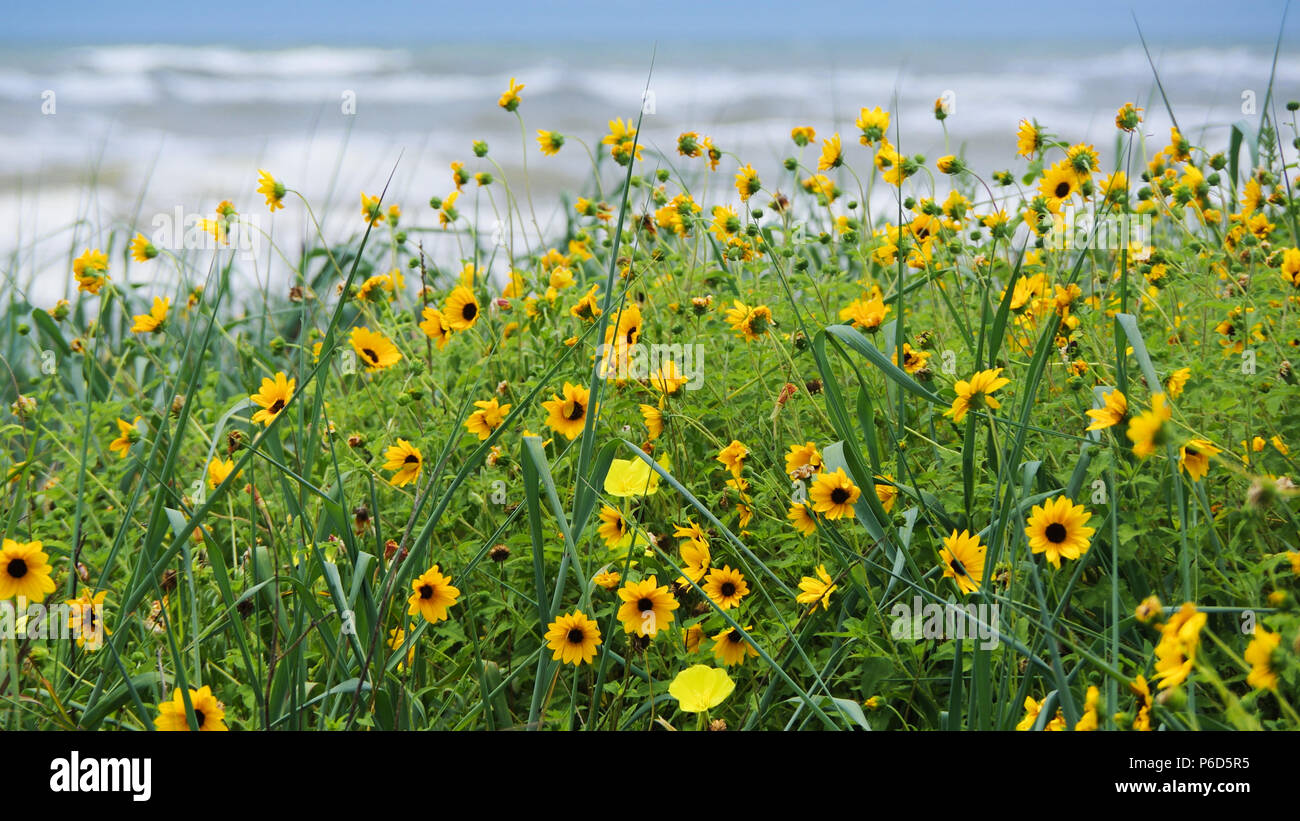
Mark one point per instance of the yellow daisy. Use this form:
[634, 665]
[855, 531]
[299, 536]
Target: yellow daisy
[406, 459]
[431, 595]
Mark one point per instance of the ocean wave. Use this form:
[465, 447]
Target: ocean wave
[223, 61]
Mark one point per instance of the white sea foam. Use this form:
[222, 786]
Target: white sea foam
[162, 126]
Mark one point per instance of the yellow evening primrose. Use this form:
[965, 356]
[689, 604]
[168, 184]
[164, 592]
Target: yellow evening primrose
[700, 687]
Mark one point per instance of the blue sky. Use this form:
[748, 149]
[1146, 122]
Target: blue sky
[352, 22]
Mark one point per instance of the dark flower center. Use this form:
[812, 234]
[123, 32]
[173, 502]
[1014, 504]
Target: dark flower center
[728, 589]
[277, 407]
[1055, 532]
[577, 411]
[645, 604]
[411, 458]
[839, 495]
[469, 311]
[426, 591]
[734, 637]
[1062, 189]
[1192, 452]
[17, 568]
[371, 355]
[199, 718]
[958, 567]
[577, 635]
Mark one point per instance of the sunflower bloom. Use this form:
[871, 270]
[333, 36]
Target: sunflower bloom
[976, 393]
[621, 139]
[726, 587]
[913, 360]
[431, 595]
[803, 456]
[1111, 413]
[832, 154]
[873, 124]
[510, 99]
[487, 418]
[91, 271]
[614, 528]
[273, 396]
[273, 190]
[435, 326]
[803, 135]
[1059, 529]
[1032, 709]
[371, 212]
[963, 560]
[1060, 183]
[1176, 652]
[731, 648]
[747, 182]
[155, 320]
[24, 571]
[85, 620]
[1028, 139]
[461, 310]
[1089, 720]
[142, 250]
[1177, 381]
[695, 553]
[654, 421]
[647, 607]
[733, 457]
[406, 459]
[833, 494]
[816, 590]
[801, 519]
[127, 435]
[218, 470]
[749, 322]
[550, 141]
[1148, 609]
[1194, 457]
[1259, 655]
[208, 712]
[574, 638]
[567, 416]
[1146, 431]
[866, 314]
[377, 350]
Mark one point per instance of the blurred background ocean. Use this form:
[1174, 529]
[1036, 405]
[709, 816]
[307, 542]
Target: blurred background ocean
[154, 111]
